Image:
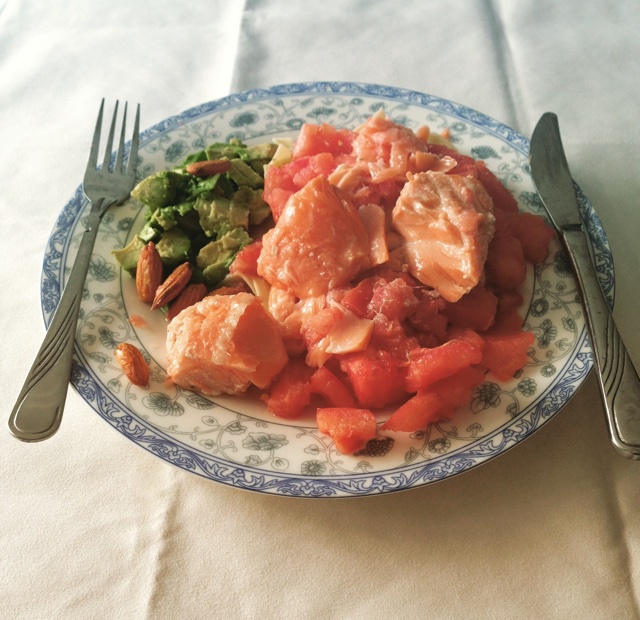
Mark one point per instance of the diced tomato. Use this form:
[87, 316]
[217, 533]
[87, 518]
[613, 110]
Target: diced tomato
[324, 138]
[505, 267]
[290, 392]
[502, 197]
[375, 377]
[426, 366]
[534, 234]
[418, 412]
[438, 401]
[509, 302]
[357, 298]
[281, 182]
[457, 389]
[390, 335]
[246, 260]
[394, 299]
[467, 335]
[507, 322]
[476, 309]
[429, 319]
[506, 352]
[350, 428]
[322, 164]
[331, 388]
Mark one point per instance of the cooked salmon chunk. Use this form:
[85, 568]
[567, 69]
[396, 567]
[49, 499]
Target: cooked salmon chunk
[223, 344]
[318, 242]
[446, 222]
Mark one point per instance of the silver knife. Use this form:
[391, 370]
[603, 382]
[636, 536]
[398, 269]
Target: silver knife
[618, 379]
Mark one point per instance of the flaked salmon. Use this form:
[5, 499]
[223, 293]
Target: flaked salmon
[446, 222]
[318, 242]
[223, 344]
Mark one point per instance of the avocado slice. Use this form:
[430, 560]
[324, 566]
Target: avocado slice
[219, 215]
[129, 254]
[162, 189]
[174, 247]
[215, 257]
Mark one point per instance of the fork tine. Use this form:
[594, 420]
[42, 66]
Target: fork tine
[118, 165]
[95, 142]
[133, 153]
[109, 145]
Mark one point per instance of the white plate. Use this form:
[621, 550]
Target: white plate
[235, 441]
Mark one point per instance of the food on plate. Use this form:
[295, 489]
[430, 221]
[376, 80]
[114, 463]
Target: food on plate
[223, 344]
[350, 271]
[318, 243]
[133, 364]
[446, 221]
[350, 428]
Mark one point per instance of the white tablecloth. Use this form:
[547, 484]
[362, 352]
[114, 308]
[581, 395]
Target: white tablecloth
[92, 526]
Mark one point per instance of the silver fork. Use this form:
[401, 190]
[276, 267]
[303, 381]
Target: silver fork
[38, 410]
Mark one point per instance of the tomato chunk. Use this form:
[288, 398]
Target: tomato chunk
[290, 392]
[506, 352]
[506, 268]
[350, 428]
[475, 310]
[331, 388]
[324, 138]
[375, 376]
[502, 197]
[426, 366]
[534, 234]
[457, 389]
[418, 412]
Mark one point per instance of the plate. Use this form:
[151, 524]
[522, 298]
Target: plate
[235, 441]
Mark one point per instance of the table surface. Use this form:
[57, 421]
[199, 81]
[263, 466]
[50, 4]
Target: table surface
[92, 526]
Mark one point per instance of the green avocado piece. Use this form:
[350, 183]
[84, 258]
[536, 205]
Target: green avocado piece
[244, 175]
[215, 257]
[127, 256]
[162, 189]
[220, 214]
[174, 247]
[251, 199]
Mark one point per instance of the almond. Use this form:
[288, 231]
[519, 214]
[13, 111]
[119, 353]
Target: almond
[148, 272]
[191, 294]
[208, 168]
[232, 289]
[173, 285]
[133, 364]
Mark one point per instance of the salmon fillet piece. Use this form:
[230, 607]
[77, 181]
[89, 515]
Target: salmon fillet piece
[446, 222]
[318, 242]
[223, 344]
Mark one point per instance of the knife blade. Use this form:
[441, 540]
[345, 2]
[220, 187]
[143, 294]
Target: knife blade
[617, 378]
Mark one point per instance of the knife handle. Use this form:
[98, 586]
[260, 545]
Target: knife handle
[617, 377]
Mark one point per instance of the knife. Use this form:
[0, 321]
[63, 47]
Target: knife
[617, 378]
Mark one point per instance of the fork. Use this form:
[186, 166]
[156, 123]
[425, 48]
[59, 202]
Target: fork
[38, 410]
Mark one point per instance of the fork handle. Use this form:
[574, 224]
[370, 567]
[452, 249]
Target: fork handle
[38, 410]
[617, 377]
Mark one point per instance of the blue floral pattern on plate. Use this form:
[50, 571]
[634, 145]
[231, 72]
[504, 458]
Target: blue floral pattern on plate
[234, 441]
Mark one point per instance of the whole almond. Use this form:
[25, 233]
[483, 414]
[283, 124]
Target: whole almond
[148, 272]
[191, 294]
[133, 364]
[173, 285]
[232, 289]
[208, 168]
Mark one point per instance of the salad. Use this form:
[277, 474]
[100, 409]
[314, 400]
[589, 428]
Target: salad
[351, 272]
